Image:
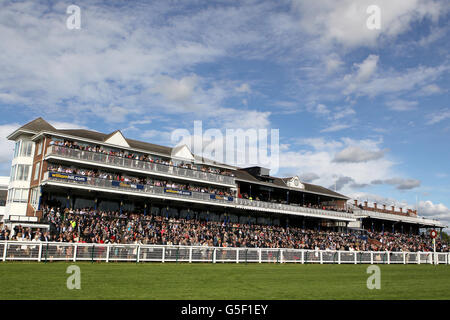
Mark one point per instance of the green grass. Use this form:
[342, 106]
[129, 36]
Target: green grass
[221, 281]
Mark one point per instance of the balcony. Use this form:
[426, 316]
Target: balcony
[169, 193]
[393, 217]
[149, 167]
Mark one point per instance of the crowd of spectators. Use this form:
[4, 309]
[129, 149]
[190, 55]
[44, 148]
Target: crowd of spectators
[140, 157]
[90, 226]
[136, 180]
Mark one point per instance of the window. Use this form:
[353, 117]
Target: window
[37, 171]
[39, 148]
[18, 195]
[22, 172]
[13, 173]
[34, 199]
[27, 148]
[16, 149]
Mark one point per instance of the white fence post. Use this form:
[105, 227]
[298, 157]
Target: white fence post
[108, 248]
[190, 255]
[75, 249]
[237, 255]
[356, 257]
[260, 254]
[4, 251]
[321, 257]
[163, 254]
[138, 253]
[40, 252]
[388, 257]
[281, 256]
[418, 257]
[214, 256]
[371, 257]
[339, 257]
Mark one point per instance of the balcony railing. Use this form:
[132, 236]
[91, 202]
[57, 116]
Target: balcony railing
[188, 195]
[139, 165]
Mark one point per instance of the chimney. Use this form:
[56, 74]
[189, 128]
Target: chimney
[375, 205]
[393, 209]
[384, 207]
[365, 204]
[356, 203]
[401, 210]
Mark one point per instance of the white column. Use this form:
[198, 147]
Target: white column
[4, 250]
[108, 248]
[40, 252]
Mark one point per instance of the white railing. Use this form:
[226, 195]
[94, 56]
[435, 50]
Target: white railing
[200, 196]
[147, 166]
[73, 252]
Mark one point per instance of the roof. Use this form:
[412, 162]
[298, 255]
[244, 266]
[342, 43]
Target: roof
[243, 175]
[37, 125]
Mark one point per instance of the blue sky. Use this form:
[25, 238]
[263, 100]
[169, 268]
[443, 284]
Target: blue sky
[365, 110]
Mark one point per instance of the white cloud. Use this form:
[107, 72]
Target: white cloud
[438, 116]
[336, 127]
[400, 183]
[401, 105]
[7, 146]
[354, 154]
[320, 161]
[244, 88]
[346, 23]
[180, 91]
[396, 81]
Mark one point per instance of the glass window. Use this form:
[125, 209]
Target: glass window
[27, 147]
[39, 148]
[19, 172]
[24, 195]
[26, 171]
[22, 172]
[16, 149]
[13, 173]
[37, 171]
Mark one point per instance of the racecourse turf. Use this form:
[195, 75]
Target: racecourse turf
[21, 280]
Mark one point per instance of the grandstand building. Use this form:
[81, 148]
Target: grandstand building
[81, 168]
